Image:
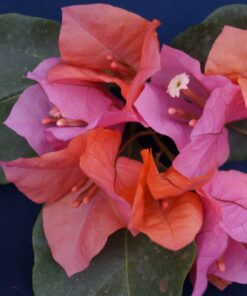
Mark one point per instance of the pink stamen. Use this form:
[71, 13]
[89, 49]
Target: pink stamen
[86, 196]
[87, 199]
[194, 98]
[114, 65]
[192, 122]
[48, 120]
[173, 111]
[109, 58]
[121, 69]
[164, 204]
[181, 114]
[79, 184]
[63, 122]
[221, 264]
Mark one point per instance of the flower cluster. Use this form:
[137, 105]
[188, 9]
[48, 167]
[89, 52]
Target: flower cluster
[91, 187]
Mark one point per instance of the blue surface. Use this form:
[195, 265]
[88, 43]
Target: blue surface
[17, 214]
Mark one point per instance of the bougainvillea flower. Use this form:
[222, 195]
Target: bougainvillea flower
[195, 120]
[50, 114]
[164, 206]
[229, 189]
[77, 185]
[221, 255]
[99, 42]
[220, 259]
[211, 242]
[228, 56]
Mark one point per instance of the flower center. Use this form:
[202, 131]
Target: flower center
[178, 83]
[178, 88]
[56, 118]
[86, 195]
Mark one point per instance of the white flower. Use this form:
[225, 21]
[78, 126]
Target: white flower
[178, 83]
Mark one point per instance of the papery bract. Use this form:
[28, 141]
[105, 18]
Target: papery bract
[220, 258]
[228, 56]
[99, 42]
[211, 243]
[234, 259]
[60, 178]
[171, 219]
[229, 189]
[83, 107]
[195, 121]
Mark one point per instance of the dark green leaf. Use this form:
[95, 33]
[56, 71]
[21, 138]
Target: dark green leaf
[127, 266]
[197, 41]
[24, 42]
[238, 141]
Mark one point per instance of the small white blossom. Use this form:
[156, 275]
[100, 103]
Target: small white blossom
[178, 83]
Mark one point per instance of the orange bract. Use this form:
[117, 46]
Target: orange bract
[228, 57]
[171, 221]
[99, 42]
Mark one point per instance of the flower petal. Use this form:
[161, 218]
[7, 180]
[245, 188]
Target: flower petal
[75, 236]
[243, 84]
[235, 261]
[211, 243]
[230, 189]
[153, 104]
[84, 35]
[228, 55]
[85, 102]
[204, 154]
[98, 161]
[127, 176]
[171, 182]
[26, 115]
[173, 227]
[48, 177]
[149, 63]
[101, 31]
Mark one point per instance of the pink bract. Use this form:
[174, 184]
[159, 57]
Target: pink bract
[91, 104]
[221, 254]
[205, 145]
[100, 42]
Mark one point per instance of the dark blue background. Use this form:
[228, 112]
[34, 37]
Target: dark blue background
[18, 214]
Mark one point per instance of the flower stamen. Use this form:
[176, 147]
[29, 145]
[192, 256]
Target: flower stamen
[164, 204]
[221, 264]
[79, 184]
[86, 196]
[192, 122]
[178, 86]
[193, 98]
[178, 113]
[63, 122]
[121, 69]
[49, 120]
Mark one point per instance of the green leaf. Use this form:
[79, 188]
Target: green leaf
[127, 266]
[24, 42]
[197, 42]
[238, 141]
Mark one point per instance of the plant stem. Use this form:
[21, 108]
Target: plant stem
[163, 147]
[237, 129]
[133, 138]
